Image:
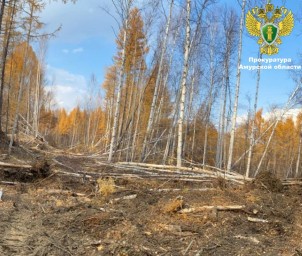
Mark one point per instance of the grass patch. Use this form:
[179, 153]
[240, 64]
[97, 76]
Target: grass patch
[106, 186]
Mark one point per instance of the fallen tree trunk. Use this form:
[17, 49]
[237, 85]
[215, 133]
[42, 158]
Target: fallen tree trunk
[94, 176]
[9, 165]
[9, 183]
[153, 167]
[292, 183]
[60, 191]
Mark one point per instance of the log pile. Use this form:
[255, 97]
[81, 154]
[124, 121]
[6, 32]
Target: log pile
[92, 170]
[183, 173]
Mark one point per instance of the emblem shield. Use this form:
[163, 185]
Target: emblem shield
[269, 33]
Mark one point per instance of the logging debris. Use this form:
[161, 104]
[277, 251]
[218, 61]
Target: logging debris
[153, 210]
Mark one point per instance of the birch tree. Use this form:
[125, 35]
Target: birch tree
[252, 135]
[184, 85]
[158, 78]
[230, 30]
[238, 76]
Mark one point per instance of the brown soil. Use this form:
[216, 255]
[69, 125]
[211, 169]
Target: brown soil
[64, 215]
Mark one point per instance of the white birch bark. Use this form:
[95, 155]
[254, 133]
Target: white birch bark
[252, 136]
[190, 107]
[193, 139]
[184, 86]
[36, 103]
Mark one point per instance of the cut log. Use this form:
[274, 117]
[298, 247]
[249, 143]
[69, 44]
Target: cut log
[212, 207]
[257, 220]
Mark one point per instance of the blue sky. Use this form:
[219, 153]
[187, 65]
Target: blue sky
[86, 45]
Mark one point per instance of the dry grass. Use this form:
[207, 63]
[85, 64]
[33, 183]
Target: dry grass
[173, 206]
[106, 186]
[252, 198]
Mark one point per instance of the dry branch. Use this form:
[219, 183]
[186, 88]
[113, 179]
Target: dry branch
[62, 192]
[179, 189]
[130, 197]
[10, 183]
[251, 239]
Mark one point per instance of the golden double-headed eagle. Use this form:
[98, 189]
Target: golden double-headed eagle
[269, 24]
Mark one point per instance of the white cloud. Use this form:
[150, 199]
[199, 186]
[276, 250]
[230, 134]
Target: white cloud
[79, 21]
[241, 119]
[292, 113]
[78, 50]
[68, 88]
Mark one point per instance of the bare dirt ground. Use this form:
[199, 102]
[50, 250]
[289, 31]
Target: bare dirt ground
[67, 215]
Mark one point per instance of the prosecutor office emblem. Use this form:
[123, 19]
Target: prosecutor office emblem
[269, 24]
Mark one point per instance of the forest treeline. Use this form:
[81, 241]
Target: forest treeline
[170, 96]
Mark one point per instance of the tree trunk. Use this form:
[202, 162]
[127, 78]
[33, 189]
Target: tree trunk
[252, 137]
[36, 104]
[157, 83]
[184, 86]
[6, 41]
[8, 98]
[238, 76]
[299, 153]
[222, 121]
[210, 102]
[21, 80]
[190, 107]
[120, 85]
